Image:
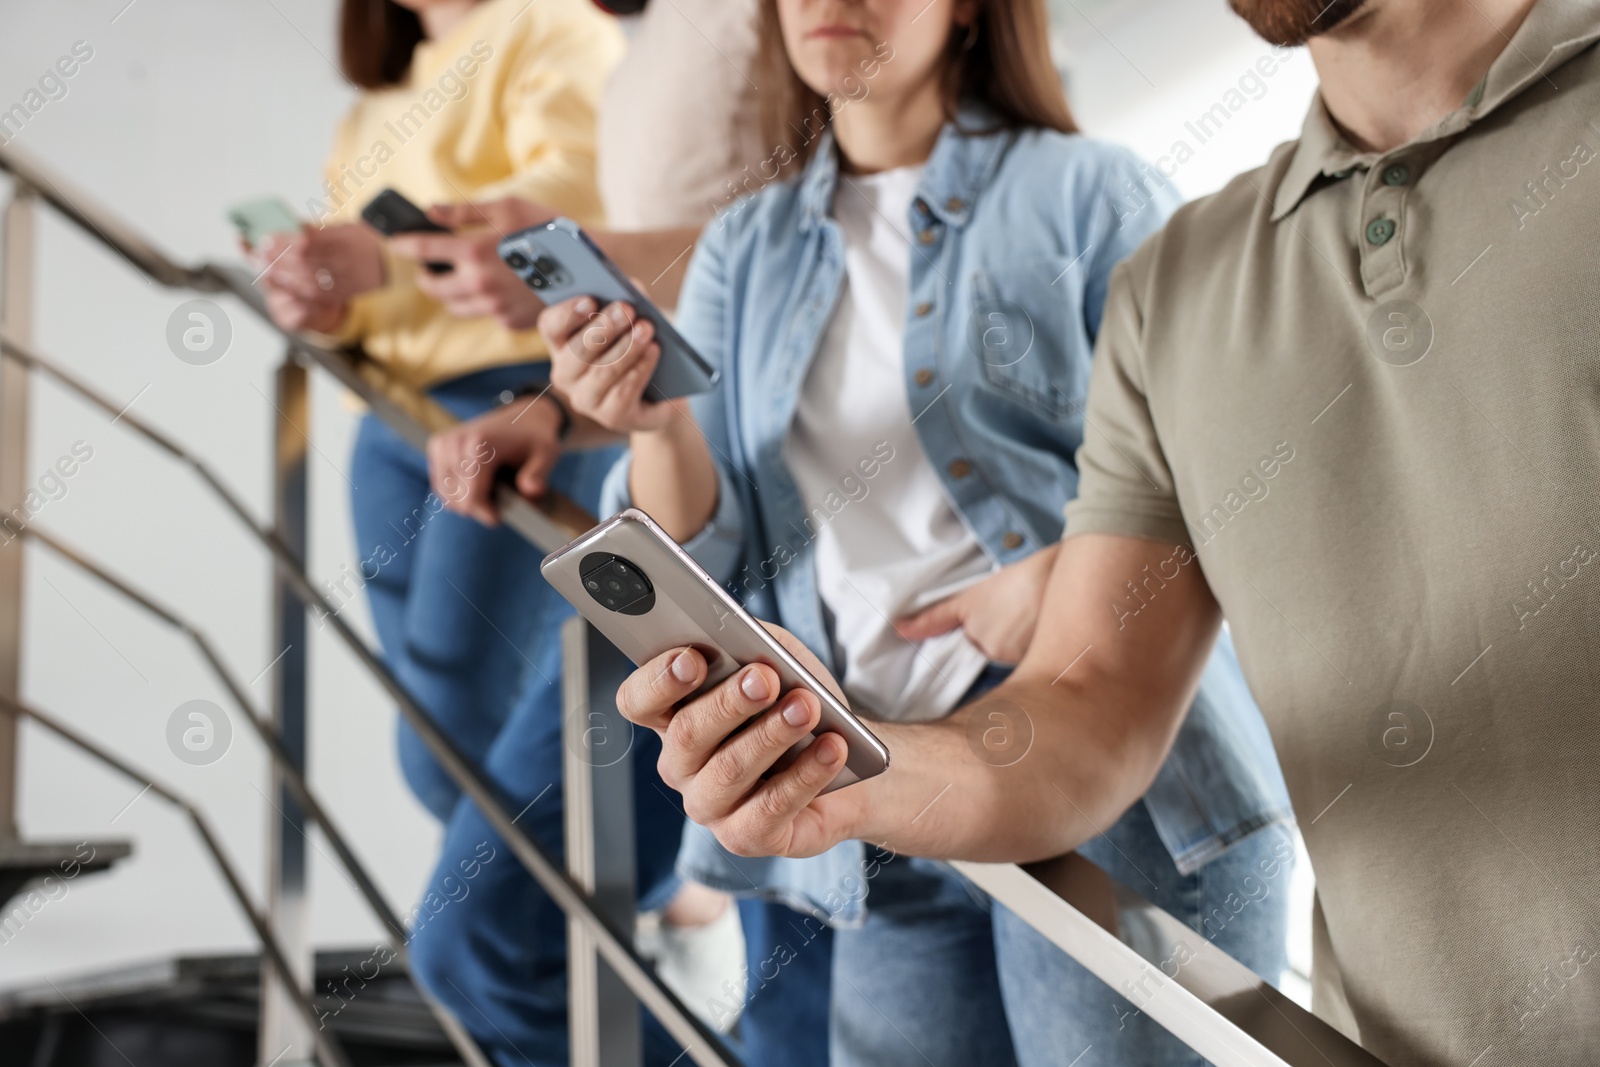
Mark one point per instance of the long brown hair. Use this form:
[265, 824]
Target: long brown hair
[1007, 67]
[376, 40]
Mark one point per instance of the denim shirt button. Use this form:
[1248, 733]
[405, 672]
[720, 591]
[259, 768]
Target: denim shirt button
[960, 469]
[923, 377]
[923, 309]
[927, 236]
[1012, 541]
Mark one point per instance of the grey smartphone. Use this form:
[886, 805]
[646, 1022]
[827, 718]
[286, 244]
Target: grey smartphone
[559, 261]
[646, 595]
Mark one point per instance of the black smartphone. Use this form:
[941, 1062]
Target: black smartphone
[559, 261]
[390, 214]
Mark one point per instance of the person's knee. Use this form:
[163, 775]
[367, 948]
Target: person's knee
[434, 789]
[441, 960]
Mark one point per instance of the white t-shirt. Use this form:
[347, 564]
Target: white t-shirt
[888, 541]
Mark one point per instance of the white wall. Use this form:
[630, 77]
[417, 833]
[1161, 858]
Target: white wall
[186, 107]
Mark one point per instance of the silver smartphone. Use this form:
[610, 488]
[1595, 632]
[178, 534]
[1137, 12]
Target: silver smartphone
[645, 593]
[559, 261]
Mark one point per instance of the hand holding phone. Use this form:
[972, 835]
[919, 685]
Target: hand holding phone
[647, 596]
[391, 214]
[559, 262]
[260, 219]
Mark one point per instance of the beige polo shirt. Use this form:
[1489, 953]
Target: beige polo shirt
[1366, 388]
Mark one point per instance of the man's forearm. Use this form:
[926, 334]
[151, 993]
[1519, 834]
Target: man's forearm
[952, 791]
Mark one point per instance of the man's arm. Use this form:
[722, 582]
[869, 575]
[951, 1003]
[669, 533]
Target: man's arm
[1102, 690]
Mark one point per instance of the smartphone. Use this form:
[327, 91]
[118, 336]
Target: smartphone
[646, 595]
[559, 261]
[260, 219]
[390, 214]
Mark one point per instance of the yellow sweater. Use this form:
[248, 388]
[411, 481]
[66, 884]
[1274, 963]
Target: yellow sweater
[503, 106]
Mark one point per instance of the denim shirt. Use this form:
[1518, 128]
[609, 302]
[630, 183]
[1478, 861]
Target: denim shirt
[1014, 235]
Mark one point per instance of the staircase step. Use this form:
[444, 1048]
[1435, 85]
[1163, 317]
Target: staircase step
[202, 1011]
[24, 862]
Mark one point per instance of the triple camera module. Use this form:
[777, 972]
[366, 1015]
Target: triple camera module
[540, 272]
[616, 584]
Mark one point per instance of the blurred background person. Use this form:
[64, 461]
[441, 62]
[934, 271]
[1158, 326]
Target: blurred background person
[463, 101]
[680, 143]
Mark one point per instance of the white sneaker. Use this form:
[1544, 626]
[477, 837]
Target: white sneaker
[704, 965]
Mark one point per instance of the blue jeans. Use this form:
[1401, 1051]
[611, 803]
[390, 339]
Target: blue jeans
[790, 961]
[940, 975]
[472, 630]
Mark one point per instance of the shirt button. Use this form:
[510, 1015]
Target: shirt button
[1396, 174]
[1380, 230]
[1012, 540]
[923, 309]
[926, 236]
[955, 203]
[924, 376]
[960, 469]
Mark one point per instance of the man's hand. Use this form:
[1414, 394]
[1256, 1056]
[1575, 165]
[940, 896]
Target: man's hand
[311, 277]
[998, 613]
[1100, 693]
[711, 756]
[601, 360]
[463, 460]
[480, 283]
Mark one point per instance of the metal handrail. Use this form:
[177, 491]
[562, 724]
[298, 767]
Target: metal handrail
[328, 1047]
[268, 734]
[704, 1045]
[548, 523]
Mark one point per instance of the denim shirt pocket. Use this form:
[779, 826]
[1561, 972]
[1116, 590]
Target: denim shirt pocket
[1025, 334]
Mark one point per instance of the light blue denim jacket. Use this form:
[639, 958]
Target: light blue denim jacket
[1014, 237]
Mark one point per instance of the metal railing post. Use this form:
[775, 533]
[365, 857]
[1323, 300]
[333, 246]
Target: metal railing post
[288, 907]
[327, 1050]
[16, 320]
[602, 1015]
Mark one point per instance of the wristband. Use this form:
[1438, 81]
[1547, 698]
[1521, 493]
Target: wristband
[543, 392]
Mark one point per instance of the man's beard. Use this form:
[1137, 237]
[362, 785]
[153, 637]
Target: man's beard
[1293, 22]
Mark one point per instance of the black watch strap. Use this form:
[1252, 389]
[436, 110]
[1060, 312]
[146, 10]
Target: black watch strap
[539, 390]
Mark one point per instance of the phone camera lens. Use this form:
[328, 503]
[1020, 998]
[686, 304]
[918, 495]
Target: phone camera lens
[617, 584]
[517, 261]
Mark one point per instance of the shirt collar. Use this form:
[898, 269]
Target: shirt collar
[1552, 33]
[963, 161]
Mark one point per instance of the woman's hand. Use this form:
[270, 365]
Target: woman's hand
[601, 360]
[311, 277]
[716, 761]
[463, 460]
[480, 283]
[998, 613]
